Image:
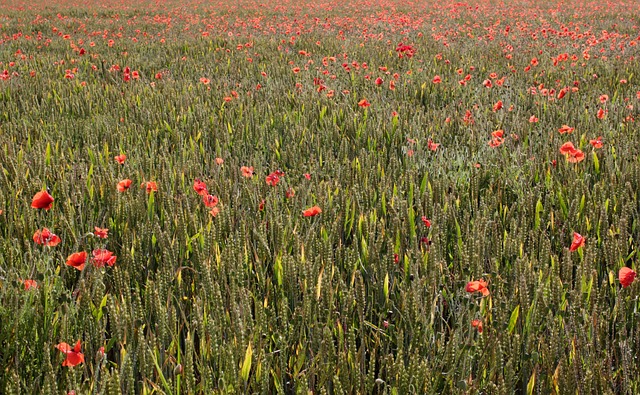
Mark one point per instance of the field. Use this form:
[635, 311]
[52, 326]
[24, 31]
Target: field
[319, 197]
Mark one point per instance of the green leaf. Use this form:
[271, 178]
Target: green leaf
[386, 287]
[246, 365]
[514, 319]
[532, 383]
[539, 210]
[596, 162]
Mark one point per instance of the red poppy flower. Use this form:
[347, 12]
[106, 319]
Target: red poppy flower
[77, 260]
[101, 233]
[261, 205]
[604, 98]
[247, 172]
[436, 79]
[150, 186]
[73, 355]
[497, 106]
[290, 193]
[477, 286]
[626, 276]
[565, 129]
[43, 200]
[477, 324]
[200, 187]
[46, 238]
[432, 146]
[562, 93]
[219, 161]
[28, 284]
[210, 200]
[379, 81]
[124, 185]
[215, 211]
[575, 157]
[312, 211]
[497, 138]
[597, 142]
[364, 103]
[103, 257]
[533, 119]
[567, 148]
[426, 222]
[273, 179]
[121, 158]
[578, 241]
[307, 176]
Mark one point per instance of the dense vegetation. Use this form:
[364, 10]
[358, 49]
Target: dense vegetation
[324, 198]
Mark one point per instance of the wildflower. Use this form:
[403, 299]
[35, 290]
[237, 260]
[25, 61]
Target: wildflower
[497, 106]
[312, 211]
[497, 138]
[477, 324]
[120, 158]
[150, 186]
[101, 233]
[565, 129]
[436, 79]
[247, 172]
[77, 260]
[219, 161]
[601, 114]
[200, 187]
[379, 81]
[214, 211]
[567, 148]
[426, 222]
[604, 98]
[290, 193]
[261, 205]
[73, 355]
[626, 276]
[46, 238]
[578, 241]
[364, 103]
[28, 284]
[307, 176]
[103, 257]
[575, 156]
[477, 286]
[274, 178]
[572, 154]
[533, 119]
[210, 200]
[205, 80]
[597, 142]
[124, 185]
[432, 146]
[562, 93]
[41, 200]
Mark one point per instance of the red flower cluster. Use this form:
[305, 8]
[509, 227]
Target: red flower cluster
[274, 178]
